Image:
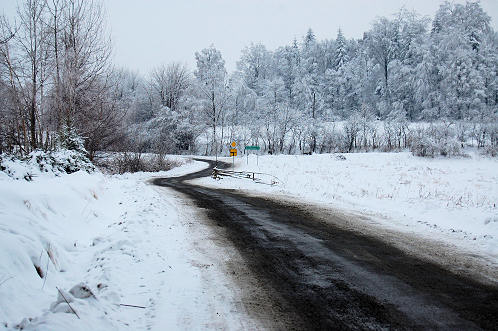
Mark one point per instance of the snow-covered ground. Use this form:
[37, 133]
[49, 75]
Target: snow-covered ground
[110, 241]
[105, 242]
[454, 200]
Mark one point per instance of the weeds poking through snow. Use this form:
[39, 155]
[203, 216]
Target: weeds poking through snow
[62, 295]
[39, 270]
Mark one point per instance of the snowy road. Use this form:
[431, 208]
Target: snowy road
[315, 275]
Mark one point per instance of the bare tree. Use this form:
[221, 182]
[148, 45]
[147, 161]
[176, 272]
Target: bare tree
[55, 22]
[32, 41]
[102, 123]
[6, 30]
[8, 122]
[86, 55]
[24, 57]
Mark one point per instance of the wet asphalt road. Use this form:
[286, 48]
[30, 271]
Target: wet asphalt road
[328, 278]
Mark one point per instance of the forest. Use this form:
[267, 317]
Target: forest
[411, 82]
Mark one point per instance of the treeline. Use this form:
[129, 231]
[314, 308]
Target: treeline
[309, 96]
[314, 96]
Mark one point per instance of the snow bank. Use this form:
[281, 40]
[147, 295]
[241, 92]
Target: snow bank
[120, 251]
[452, 199]
[44, 226]
[39, 163]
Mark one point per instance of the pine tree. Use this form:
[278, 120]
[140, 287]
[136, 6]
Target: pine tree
[341, 53]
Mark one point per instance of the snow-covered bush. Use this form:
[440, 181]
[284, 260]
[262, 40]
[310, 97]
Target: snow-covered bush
[167, 132]
[436, 140]
[331, 140]
[351, 129]
[396, 133]
[69, 139]
[39, 162]
[69, 157]
[120, 163]
[62, 161]
[491, 150]
[423, 146]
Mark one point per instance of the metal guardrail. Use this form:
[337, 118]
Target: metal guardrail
[258, 177]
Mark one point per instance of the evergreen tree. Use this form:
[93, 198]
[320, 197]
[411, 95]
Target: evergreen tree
[341, 53]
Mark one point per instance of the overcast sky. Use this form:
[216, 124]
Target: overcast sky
[150, 32]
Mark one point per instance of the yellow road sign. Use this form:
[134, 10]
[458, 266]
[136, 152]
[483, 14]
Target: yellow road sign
[233, 152]
[234, 144]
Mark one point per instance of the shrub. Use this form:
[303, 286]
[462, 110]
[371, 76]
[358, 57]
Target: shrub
[491, 150]
[60, 161]
[121, 163]
[423, 146]
[436, 140]
[39, 162]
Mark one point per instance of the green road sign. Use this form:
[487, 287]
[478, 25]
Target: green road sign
[253, 148]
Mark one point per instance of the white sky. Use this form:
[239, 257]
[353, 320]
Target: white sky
[150, 32]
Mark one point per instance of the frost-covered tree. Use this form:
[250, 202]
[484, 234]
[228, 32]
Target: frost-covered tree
[170, 84]
[287, 61]
[212, 87]
[458, 61]
[390, 44]
[341, 52]
[255, 64]
[383, 48]
[274, 112]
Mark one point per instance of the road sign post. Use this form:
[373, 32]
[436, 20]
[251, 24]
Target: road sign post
[252, 148]
[233, 153]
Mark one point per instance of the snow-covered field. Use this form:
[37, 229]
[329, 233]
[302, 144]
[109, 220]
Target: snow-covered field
[106, 242]
[454, 200]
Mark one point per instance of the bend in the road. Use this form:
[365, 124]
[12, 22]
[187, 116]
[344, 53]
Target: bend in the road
[333, 278]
